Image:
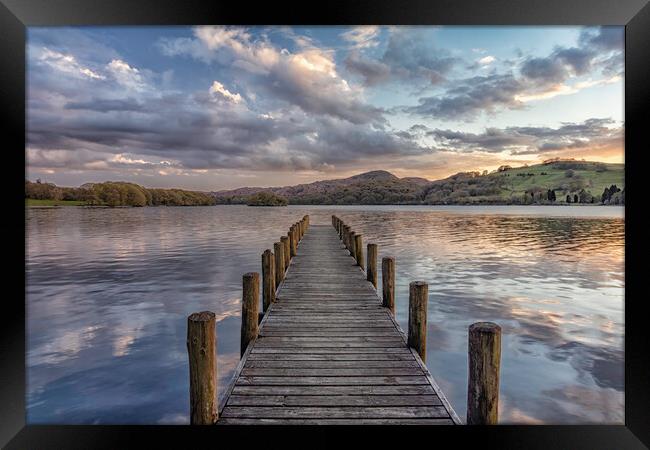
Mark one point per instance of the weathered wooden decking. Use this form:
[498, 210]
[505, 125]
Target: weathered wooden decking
[329, 353]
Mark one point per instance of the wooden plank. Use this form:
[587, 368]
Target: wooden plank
[351, 412]
[329, 353]
[332, 350]
[334, 400]
[406, 389]
[330, 357]
[330, 372]
[340, 381]
[273, 421]
[329, 364]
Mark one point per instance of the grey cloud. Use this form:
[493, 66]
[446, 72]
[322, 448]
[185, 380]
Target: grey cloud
[408, 56]
[106, 105]
[529, 140]
[372, 72]
[471, 96]
[603, 38]
[467, 98]
[193, 132]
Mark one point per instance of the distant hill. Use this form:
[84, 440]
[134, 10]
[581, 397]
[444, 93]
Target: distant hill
[582, 181]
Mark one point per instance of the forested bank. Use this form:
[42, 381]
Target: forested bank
[116, 194]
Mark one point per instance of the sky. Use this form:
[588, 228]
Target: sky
[219, 107]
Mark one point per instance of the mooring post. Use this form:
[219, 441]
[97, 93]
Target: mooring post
[340, 230]
[418, 299]
[201, 345]
[484, 355]
[293, 241]
[278, 250]
[371, 271]
[268, 279]
[358, 251]
[250, 305]
[285, 251]
[388, 282]
[353, 241]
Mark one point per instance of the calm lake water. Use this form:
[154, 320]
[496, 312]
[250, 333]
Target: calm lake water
[109, 291]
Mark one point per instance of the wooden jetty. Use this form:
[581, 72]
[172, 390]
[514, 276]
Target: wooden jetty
[328, 350]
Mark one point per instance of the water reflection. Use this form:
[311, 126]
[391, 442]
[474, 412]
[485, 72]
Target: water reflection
[108, 293]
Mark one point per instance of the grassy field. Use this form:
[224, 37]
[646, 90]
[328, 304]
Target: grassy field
[35, 202]
[592, 177]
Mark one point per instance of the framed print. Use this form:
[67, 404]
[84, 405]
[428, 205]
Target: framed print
[357, 215]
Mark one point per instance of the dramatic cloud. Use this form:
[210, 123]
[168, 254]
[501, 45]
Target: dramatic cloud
[362, 37]
[220, 92]
[221, 103]
[595, 134]
[66, 63]
[470, 96]
[538, 78]
[409, 55]
[307, 78]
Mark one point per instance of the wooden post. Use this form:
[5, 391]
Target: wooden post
[388, 282]
[286, 252]
[346, 236]
[484, 349]
[201, 345]
[278, 249]
[358, 251]
[250, 306]
[340, 230]
[418, 299]
[268, 279]
[352, 241]
[371, 271]
[293, 241]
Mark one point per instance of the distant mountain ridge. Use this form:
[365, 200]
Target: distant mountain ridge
[582, 181]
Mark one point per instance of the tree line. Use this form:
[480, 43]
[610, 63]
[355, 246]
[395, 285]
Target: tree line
[119, 193]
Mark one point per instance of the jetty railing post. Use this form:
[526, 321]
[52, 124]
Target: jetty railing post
[484, 355]
[352, 241]
[347, 237]
[268, 279]
[418, 299]
[358, 251]
[285, 252]
[388, 282]
[250, 305]
[292, 242]
[371, 270]
[278, 250]
[201, 345]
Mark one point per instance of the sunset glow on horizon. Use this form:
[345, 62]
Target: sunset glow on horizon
[212, 107]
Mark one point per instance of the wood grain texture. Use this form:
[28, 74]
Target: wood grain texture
[484, 348]
[250, 304]
[328, 351]
[417, 333]
[201, 345]
[268, 279]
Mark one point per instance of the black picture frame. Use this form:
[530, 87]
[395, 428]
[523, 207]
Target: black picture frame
[16, 15]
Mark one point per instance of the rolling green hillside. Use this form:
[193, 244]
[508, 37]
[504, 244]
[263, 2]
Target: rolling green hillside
[565, 177]
[583, 181]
